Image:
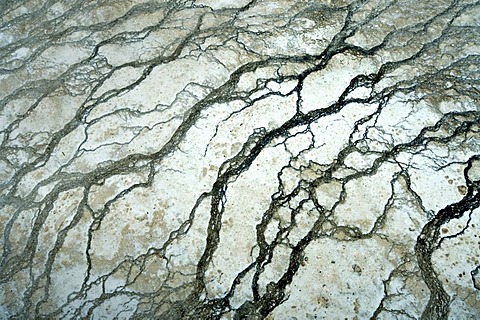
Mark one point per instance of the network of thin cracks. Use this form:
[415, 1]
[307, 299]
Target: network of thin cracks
[456, 77]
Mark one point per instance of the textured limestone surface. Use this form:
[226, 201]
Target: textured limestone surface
[240, 159]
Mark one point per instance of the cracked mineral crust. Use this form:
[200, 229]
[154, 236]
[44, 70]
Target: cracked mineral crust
[240, 159]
